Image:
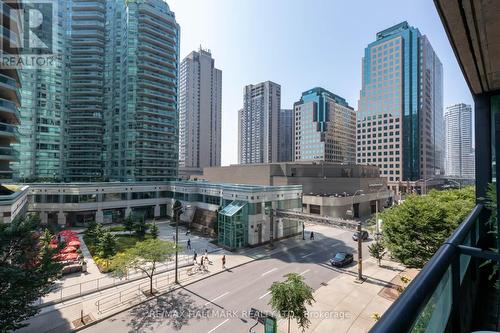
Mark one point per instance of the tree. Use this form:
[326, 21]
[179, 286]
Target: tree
[154, 231]
[106, 244]
[94, 231]
[26, 271]
[45, 238]
[140, 227]
[377, 251]
[414, 230]
[143, 256]
[290, 297]
[128, 223]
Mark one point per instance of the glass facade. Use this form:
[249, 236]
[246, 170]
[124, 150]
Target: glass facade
[400, 118]
[109, 110]
[140, 114]
[325, 128]
[43, 96]
[233, 225]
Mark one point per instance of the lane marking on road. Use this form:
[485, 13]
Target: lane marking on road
[304, 272]
[272, 270]
[216, 327]
[216, 298]
[335, 244]
[307, 255]
[261, 297]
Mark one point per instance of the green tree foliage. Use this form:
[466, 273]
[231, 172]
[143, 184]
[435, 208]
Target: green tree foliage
[144, 256]
[377, 251]
[154, 231]
[26, 271]
[94, 231]
[140, 227]
[414, 230]
[106, 244]
[128, 223]
[290, 297]
[45, 238]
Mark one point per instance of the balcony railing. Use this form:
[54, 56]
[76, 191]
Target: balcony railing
[434, 301]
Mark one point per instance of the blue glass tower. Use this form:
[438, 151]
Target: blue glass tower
[400, 112]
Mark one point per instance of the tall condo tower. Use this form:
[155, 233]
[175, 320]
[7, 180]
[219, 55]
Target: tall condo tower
[200, 98]
[259, 123]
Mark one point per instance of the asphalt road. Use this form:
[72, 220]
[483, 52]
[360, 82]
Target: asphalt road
[221, 303]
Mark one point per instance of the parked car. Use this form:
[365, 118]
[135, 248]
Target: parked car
[341, 259]
[364, 235]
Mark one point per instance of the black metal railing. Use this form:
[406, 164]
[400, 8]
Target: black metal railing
[433, 301]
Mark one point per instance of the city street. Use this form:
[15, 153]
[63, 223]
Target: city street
[221, 303]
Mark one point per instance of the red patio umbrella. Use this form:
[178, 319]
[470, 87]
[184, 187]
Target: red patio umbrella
[70, 256]
[67, 233]
[68, 249]
[75, 243]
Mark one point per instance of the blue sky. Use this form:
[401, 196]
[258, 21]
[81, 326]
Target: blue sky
[301, 44]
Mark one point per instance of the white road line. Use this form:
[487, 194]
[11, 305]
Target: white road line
[216, 327]
[304, 272]
[307, 255]
[216, 298]
[335, 244]
[261, 297]
[272, 270]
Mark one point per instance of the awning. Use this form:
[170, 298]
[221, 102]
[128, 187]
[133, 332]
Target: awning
[232, 208]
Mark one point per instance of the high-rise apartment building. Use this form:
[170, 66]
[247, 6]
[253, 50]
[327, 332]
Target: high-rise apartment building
[43, 96]
[325, 128]
[458, 136]
[400, 112]
[109, 111]
[200, 98]
[140, 91]
[10, 98]
[259, 123]
[84, 124]
[285, 135]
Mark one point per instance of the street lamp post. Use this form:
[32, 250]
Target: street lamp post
[177, 210]
[376, 214]
[360, 242]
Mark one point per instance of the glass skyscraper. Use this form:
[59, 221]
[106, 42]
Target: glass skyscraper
[141, 89]
[400, 112]
[43, 96]
[325, 128]
[109, 111]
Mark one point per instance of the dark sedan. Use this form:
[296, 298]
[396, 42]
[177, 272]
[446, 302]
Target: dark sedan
[364, 235]
[341, 259]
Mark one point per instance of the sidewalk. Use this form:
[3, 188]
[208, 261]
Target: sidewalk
[345, 306]
[60, 318]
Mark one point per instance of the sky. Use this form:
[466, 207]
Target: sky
[301, 44]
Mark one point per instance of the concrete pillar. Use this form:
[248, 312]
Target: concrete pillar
[61, 218]
[99, 216]
[128, 212]
[157, 211]
[44, 217]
